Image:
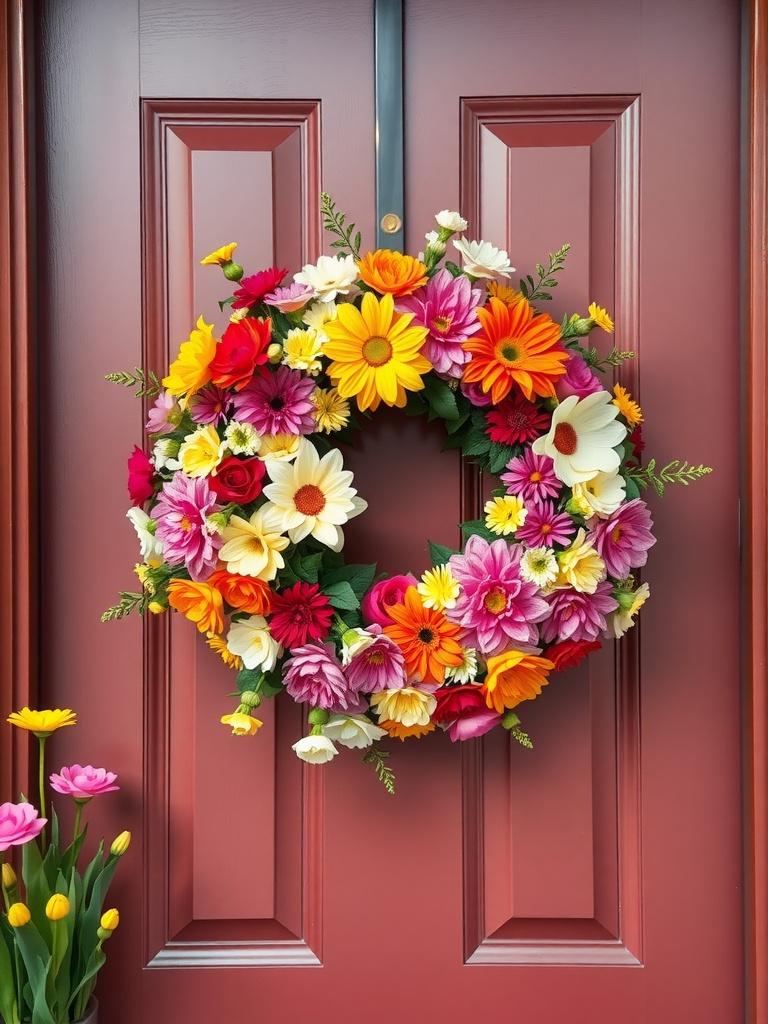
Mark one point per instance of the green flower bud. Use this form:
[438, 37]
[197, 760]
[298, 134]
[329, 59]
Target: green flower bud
[275, 352]
[580, 325]
[250, 699]
[318, 716]
[509, 720]
[232, 271]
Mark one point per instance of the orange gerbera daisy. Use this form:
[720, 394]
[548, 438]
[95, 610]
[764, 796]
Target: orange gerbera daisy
[515, 347]
[246, 593]
[426, 638]
[514, 677]
[391, 272]
[399, 731]
[200, 602]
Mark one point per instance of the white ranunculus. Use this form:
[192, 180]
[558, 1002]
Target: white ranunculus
[451, 221]
[251, 640]
[352, 730]
[151, 546]
[315, 749]
[481, 259]
[329, 277]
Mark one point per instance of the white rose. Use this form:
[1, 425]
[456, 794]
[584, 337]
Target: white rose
[451, 221]
[251, 640]
[315, 749]
[352, 730]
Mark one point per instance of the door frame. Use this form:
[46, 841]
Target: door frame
[19, 529]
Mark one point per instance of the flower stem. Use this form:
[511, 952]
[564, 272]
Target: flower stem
[6, 898]
[41, 783]
[79, 804]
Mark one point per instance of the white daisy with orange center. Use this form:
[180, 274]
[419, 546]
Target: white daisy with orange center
[582, 438]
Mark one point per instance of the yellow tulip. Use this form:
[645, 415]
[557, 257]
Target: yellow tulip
[120, 844]
[57, 907]
[110, 919]
[9, 876]
[18, 915]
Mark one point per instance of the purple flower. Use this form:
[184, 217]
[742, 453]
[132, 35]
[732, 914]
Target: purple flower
[18, 824]
[164, 416]
[291, 298]
[447, 307]
[278, 403]
[532, 477]
[379, 666]
[577, 380]
[622, 540]
[476, 395]
[544, 526]
[211, 405]
[182, 525]
[496, 605]
[83, 782]
[313, 675]
[577, 616]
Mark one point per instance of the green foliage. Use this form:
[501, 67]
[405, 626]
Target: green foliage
[477, 527]
[334, 222]
[148, 384]
[439, 553]
[384, 773]
[603, 363]
[522, 737]
[675, 472]
[533, 290]
[128, 601]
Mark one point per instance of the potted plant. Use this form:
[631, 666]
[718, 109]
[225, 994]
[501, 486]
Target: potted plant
[53, 926]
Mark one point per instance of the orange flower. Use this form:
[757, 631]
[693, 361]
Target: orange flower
[399, 731]
[245, 593]
[391, 272]
[200, 602]
[426, 638]
[515, 347]
[509, 296]
[514, 677]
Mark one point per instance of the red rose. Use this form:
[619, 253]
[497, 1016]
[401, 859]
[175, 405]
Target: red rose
[456, 701]
[141, 476]
[238, 480]
[242, 348]
[568, 653]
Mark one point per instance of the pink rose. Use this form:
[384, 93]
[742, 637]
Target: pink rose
[83, 782]
[141, 476]
[577, 380]
[463, 711]
[18, 824]
[383, 595]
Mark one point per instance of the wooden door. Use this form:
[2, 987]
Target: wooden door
[597, 879]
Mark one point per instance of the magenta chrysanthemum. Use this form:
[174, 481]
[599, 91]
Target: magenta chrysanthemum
[182, 524]
[314, 676]
[544, 526]
[291, 298]
[278, 403]
[446, 306]
[211, 405]
[379, 666]
[496, 606]
[253, 289]
[300, 613]
[532, 477]
[574, 615]
[623, 539]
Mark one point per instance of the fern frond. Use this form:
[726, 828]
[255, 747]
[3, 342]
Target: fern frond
[378, 759]
[147, 383]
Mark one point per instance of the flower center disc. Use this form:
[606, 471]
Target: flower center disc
[495, 601]
[309, 500]
[565, 439]
[426, 636]
[377, 351]
[510, 351]
[441, 323]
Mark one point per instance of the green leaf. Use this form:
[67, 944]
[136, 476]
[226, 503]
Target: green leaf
[440, 397]
[341, 596]
[248, 679]
[359, 576]
[633, 491]
[478, 528]
[8, 1007]
[439, 553]
[452, 269]
[499, 456]
[384, 774]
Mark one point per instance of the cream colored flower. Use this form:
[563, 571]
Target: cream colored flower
[539, 566]
[151, 546]
[354, 731]
[251, 641]
[481, 259]
[466, 672]
[601, 495]
[407, 706]
[450, 221]
[242, 438]
[318, 315]
[623, 619]
[201, 452]
[165, 454]
[582, 438]
[315, 749]
[281, 447]
[252, 546]
[302, 350]
[580, 565]
[329, 277]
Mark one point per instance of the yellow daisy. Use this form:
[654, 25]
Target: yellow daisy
[375, 353]
[504, 514]
[42, 722]
[509, 296]
[601, 318]
[190, 370]
[222, 255]
[629, 410]
[438, 588]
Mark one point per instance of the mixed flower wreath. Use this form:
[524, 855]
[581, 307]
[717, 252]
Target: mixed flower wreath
[241, 499]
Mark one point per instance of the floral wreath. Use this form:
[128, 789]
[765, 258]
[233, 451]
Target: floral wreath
[240, 502]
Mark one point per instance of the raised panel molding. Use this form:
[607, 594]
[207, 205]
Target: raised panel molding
[233, 871]
[563, 888]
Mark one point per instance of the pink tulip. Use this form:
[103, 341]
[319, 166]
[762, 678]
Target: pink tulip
[18, 824]
[83, 782]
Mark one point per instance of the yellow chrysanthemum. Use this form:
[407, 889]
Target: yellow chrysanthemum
[399, 731]
[581, 567]
[222, 255]
[509, 296]
[406, 705]
[331, 410]
[302, 350]
[629, 410]
[504, 514]
[375, 353]
[42, 721]
[438, 588]
[601, 318]
[392, 273]
[189, 372]
[219, 645]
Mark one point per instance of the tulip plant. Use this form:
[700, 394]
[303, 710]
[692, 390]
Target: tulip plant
[53, 927]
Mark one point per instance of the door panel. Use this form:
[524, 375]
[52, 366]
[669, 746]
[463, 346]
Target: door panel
[595, 879]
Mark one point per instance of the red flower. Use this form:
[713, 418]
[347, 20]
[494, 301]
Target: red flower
[242, 348]
[516, 420]
[457, 702]
[636, 437]
[253, 289]
[141, 476]
[568, 653]
[238, 480]
[301, 613]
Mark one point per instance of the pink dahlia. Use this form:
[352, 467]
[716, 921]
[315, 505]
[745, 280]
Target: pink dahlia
[165, 414]
[313, 675]
[300, 613]
[515, 420]
[382, 595]
[495, 606]
[278, 403]
[289, 299]
[379, 666]
[83, 782]
[623, 539]
[577, 380]
[577, 616]
[253, 289]
[181, 512]
[532, 477]
[447, 307]
[211, 405]
[18, 824]
[544, 526]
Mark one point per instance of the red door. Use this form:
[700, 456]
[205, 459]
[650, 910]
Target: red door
[594, 880]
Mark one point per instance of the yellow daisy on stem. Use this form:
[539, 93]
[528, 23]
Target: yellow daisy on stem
[629, 410]
[375, 352]
[600, 317]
